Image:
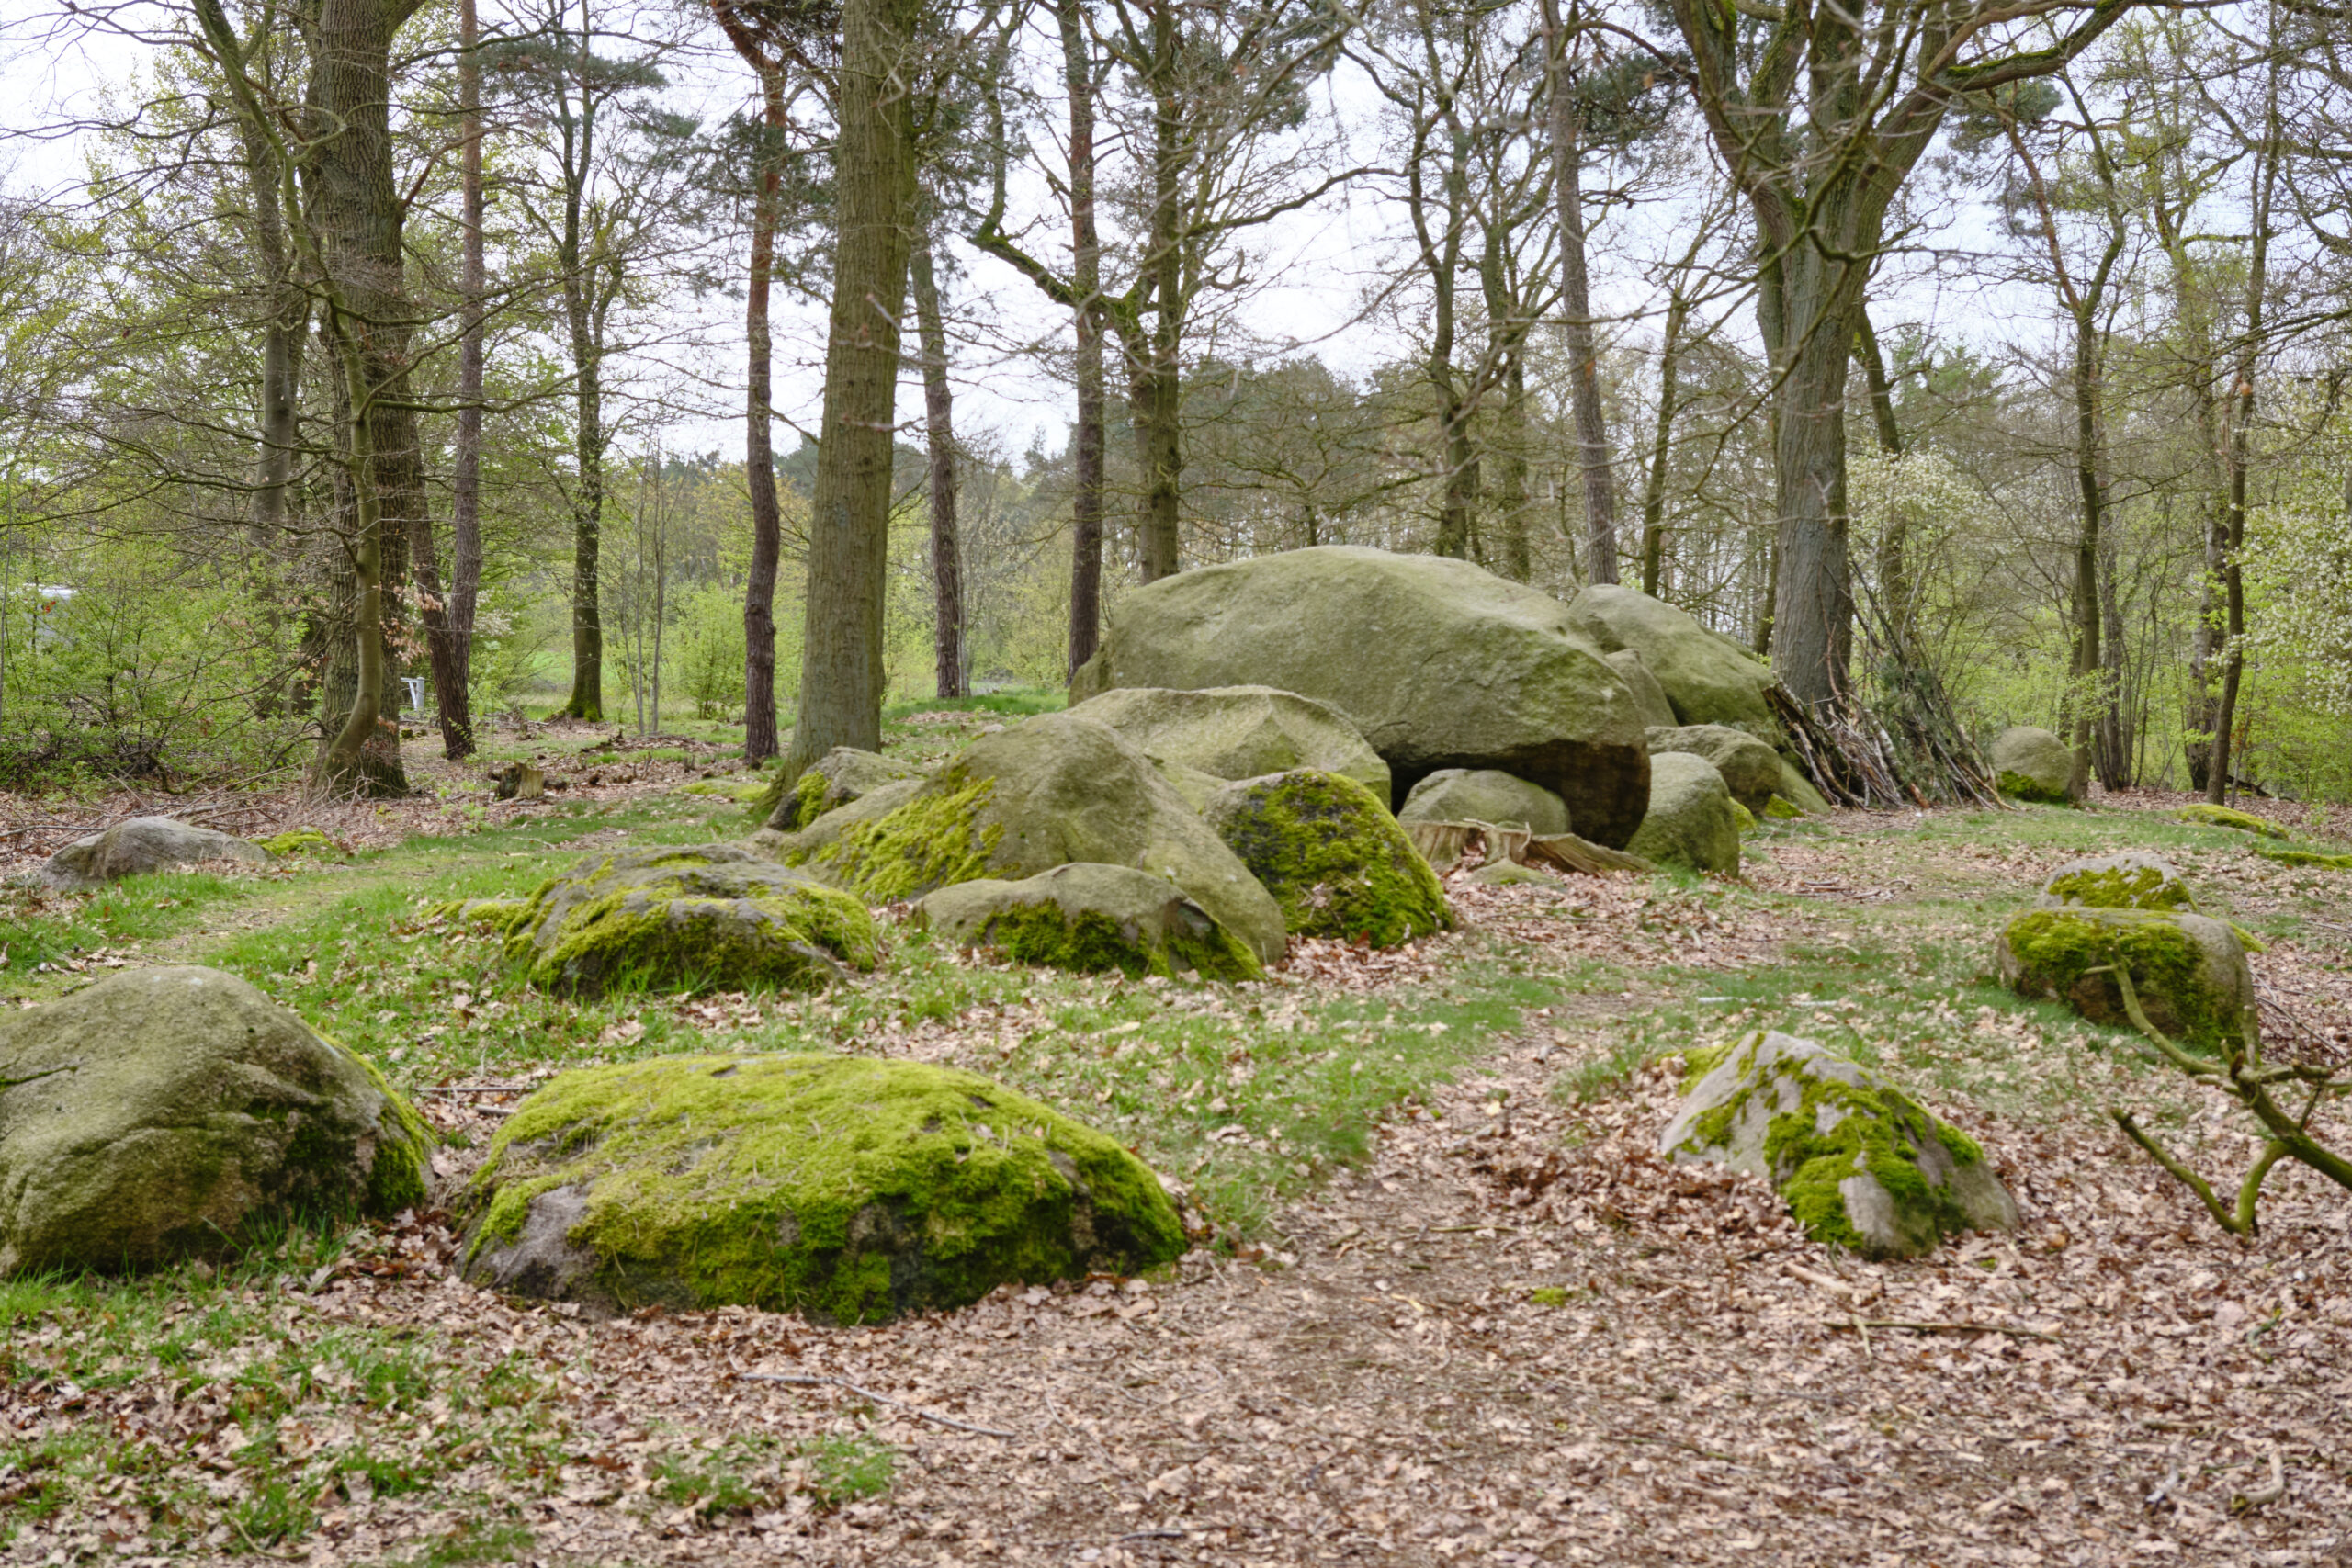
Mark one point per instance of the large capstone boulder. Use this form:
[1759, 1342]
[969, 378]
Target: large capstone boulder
[1482, 794]
[691, 917]
[2131, 880]
[1649, 698]
[170, 1112]
[2033, 765]
[850, 1190]
[1750, 768]
[1860, 1164]
[1239, 732]
[2189, 973]
[1437, 663]
[1091, 919]
[840, 776]
[1708, 677]
[1333, 856]
[1691, 823]
[142, 845]
[1049, 791]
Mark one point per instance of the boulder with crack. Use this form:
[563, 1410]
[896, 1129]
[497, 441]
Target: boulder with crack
[1690, 822]
[1238, 732]
[1750, 768]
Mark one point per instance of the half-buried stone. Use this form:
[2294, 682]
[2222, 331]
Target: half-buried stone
[2205, 814]
[170, 1112]
[1239, 732]
[840, 776]
[849, 1189]
[1860, 1164]
[2189, 973]
[1335, 861]
[144, 845]
[1750, 768]
[2131, 880]
[705, 918]
[1090, 919]
[2032, 765]
[1691, 823]
[1049, 791]
[1483, 795]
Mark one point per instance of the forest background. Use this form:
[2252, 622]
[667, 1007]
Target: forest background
[1513, 282]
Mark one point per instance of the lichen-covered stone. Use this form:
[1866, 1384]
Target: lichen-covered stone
[1333, 857]
[2188, 971]
[1510, 874]
[1800, 791]
[1649, 698]
[1690, 823]
[2209, 815]
[842, 776]
[849, 1189]
[493, 914]
[144, 845]
[1239, 732]
[300, 841]
[2308, 858]
[693, 918]
[1860, 1164]
[1197, 788]
[171, 1113]
[1483, 795]
[1707, 677]
[1090, 919]
[1049, 791]
[2131, 880]
[1438, 664]
[2032, 765]
[1750, 768]
[748, 791]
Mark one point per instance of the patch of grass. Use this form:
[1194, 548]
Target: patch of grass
[1017, 703]
[847, 1470]
[273, 1512]
[472, 1540]
[740, 1474]
[39, 926]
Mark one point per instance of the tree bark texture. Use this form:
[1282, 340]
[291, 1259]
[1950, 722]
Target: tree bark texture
[1670, 392]
[465, 479]
[1576, 309]
[1155, 373]
[581, 319]
[939, 432]
[760, 734]
[1086, 280]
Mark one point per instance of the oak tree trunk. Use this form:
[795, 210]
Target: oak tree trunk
[939, 431]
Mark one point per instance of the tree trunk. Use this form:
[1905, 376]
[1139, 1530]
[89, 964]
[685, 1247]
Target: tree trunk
[841, 690]
[760, 739]
[1805, 303]
[1086, 278]
[1669, 391]
[465, 482]
[587, 699]
[2088, 665]
[281, 357]
[1156, 375]
[1511, 490]
[939, 431]
[1575, 307]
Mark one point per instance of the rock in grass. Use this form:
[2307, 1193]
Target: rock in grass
[2209, 815]
[846, 1189]
[1800, 792]
[1510, 874]
[697, 918]
[1090, 919]
[1333, 857]
[1436, 662]
[2032, 765]
[2126, 881]
[170, 1112]
[2308, 858]
[1860, 1164]
[1239, 732]
[1049, 791]
[1751, 770]
[1483, 795]
[2188, 971]
[1691, 823]
[141, 846]
[1707, 677]
[842, 776]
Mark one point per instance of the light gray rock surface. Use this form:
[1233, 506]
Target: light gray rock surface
[2033, 764]
[1239, 732]
[1751, 770]
[144, 845]
[1090, 919]
[1691, 823]
[1485, 795]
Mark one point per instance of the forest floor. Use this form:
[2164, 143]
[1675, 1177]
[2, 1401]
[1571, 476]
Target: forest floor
[1455, 1310]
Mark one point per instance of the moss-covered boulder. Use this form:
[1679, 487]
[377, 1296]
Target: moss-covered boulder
[1860, 1164]
[1691, 823]
[1483, 795]
[1800, 791]
[2126, 881]
[1239, 732]
[2033, 764]
[846, 1189]
[1649, 698]
[143, 845]
[832, 781]
[2308, 858]
[1090, 919]
[300, 841]
[2189, 972]
[1750, 768]
[2209, 815]
[1437, 663]
[1333, 856]
[171, 1113]
[692, 918]
[1707, 677]
[1049, 791]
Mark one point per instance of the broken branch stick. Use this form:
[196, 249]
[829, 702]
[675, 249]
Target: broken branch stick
[797, 1381]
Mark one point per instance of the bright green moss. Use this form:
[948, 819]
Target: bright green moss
[1880, 1132]
[2308, 858]
[1548, 1296]
[789, 812]
[300, 841]
[2212, 816]
[2017, 786]
[1744, 816]
[1333, 857]
[1782, 808]
[2109, 887]
[931, 841]
[847, 1188]
[2055, 951]
[1092, 942]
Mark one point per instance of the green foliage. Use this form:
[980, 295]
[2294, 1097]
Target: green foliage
[708, 661]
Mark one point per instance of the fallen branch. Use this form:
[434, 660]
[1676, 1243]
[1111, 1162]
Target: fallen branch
[1917, 1325]
[797, 1381]
[2246, 1502]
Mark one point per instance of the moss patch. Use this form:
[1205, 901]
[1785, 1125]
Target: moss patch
[2308, 858]
[931, 841]
[1781, 808]
[2212, 816]
[1333, 856]
[2018, 786]
[850, 1190]
[1092, 942]
[2055, 950]
[300, 841]
[1880, 1132]
[2111, 887]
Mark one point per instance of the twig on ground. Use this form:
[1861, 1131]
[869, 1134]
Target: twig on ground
[797, 1381]
[1919, 1325]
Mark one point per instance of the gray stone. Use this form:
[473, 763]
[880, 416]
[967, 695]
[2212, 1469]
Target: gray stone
[2129, 880]
[1707, 677]
[170, 1112]
[2189, 973]
[1691, 823]
[1483, 795]
[1090, 919]
[1751, 770]
[1800, 792]
[841, 776]
[144, 845]
[1437, 663]
[2033, 764]
[1649, 698]
[1239, 732]
[1873, 1171]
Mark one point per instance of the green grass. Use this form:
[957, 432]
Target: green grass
[1017, 703]
[741, 1473]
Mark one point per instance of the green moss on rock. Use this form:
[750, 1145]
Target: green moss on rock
[849, 1189]
[1090, 919]
[933, 840]
[2126, 881]
[2188, 971]
[2211, 816]
[300, 841]
[1333, 856]
[2308, 858]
